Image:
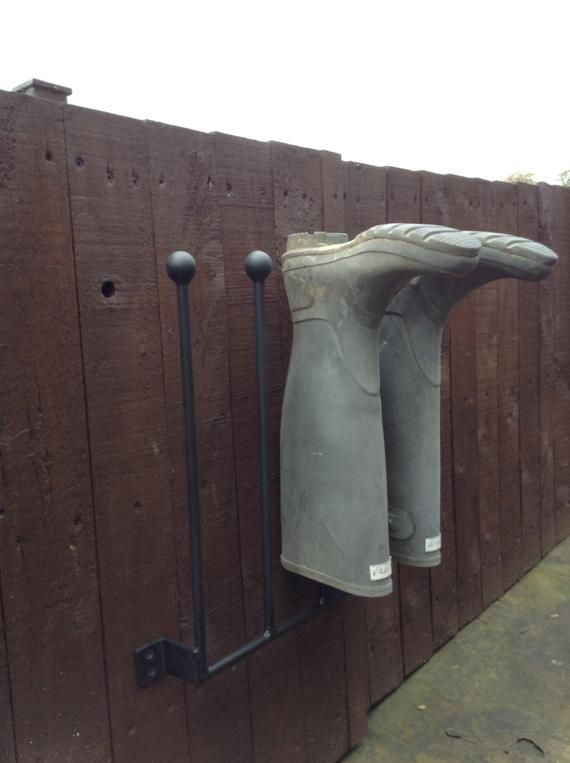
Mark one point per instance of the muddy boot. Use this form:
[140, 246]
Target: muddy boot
[410, 347]
[334, 506]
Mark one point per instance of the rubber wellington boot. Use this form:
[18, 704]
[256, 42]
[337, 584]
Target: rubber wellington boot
[410, 347]
[333, 481]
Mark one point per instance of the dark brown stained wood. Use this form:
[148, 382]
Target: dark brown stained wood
[467, 211]
[365, 197]
[332, 170]
[365, 206]
[385, 658]
[486, 301]
[404, 205]
[7, 731]
[48, 561]
[298, 199]
[324, 688]
[563, 350]
[486, 305]
[186, 215]
[357, 671]
[529, 356]
[443, 579]
[94, 557]
[248, 224]
[546, 306]
[506, 203]
[559, 234]
[354, 607]
[111, 212]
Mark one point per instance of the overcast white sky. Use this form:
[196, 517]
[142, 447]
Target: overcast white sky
[476, 88]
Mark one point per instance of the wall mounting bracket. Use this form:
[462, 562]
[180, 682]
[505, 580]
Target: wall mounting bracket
[166, 656]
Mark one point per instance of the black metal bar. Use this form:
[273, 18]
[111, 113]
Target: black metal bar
[170, 657]
[267, 638]
[181, 268]
[258, 267]
[167, 656]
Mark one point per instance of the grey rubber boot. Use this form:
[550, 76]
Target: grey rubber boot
[334, 508]
[410, 347]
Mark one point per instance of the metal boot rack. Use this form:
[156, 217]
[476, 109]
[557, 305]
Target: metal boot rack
[166, 656]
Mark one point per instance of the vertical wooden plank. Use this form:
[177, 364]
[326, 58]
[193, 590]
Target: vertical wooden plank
[186, 215]
[120, 330]
[7, 731]
[469, 202]
[48, 561]
[529, 377]
[357, 672]
[297, 183]
[562, 456]
[365, 197]
[404, 194]
[486, 305]
[245, 191]
[558, 231]
[332, 179]
[508, 399]
[365, 206]
[443, 579]
[546, 298]
[354, 608]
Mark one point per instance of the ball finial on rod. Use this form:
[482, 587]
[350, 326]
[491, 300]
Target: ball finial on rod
[258, 265]
[181, 267]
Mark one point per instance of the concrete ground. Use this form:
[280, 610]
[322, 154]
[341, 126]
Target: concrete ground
[499, 691]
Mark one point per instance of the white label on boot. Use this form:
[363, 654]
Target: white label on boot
[381, 571]
[433, 544]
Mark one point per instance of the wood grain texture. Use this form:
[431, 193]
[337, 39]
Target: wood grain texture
[365, 190]
[123, 367]
[506, 204]
[248, 223]
[48, 562]
[7, 730]
[486, 301]
[94, 557]
[529, 406]
[486, 305]
[332, 174]
[298, 204]
[357, 670]
[443, 579]
[546, 301]
[464, 213]
[559, 234]
[404, 205]
[187, 215]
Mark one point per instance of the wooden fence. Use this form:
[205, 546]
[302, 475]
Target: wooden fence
[94, 554]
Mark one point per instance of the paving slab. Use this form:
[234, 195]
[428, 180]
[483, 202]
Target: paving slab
[499, 691]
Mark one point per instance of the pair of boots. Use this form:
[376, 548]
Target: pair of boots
[360, 470]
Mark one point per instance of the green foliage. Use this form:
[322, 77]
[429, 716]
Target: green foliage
[521, 177]
[564, 178]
